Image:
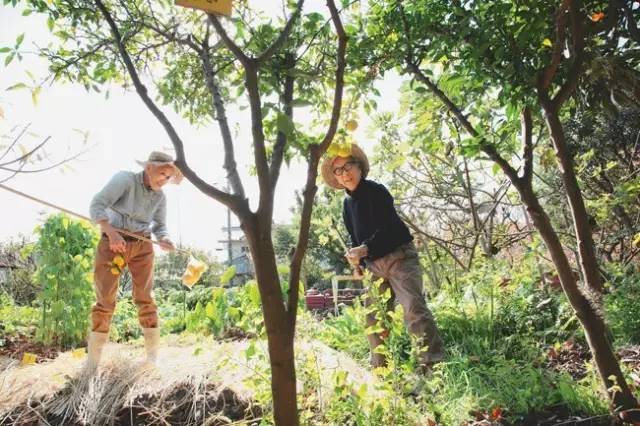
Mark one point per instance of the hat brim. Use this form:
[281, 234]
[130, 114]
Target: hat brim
[327, 166]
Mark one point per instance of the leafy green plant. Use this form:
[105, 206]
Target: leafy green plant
[623, 304]
[64, 254]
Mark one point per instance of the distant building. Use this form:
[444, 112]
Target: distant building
[8, 263]
[238, 254]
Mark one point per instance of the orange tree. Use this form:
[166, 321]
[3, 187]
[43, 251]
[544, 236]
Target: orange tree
[489, 63]
[198, 65]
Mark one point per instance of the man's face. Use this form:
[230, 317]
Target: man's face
[347, 172]
[159, 176]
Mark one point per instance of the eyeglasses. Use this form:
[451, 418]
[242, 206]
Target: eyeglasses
[338, 171]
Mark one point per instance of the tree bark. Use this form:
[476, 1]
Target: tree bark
[590, 319]
[280, 330]
[586, 246]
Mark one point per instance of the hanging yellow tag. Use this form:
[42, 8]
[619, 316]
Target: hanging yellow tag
[28, 358]
[78, 353]
[218, 7]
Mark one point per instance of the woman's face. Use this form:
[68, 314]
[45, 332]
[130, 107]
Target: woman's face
[347, 172]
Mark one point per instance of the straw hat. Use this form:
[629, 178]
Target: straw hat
[157, 158]
[327, 166]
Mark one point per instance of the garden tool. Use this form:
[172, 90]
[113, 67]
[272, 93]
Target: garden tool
[357, 270]
[195, 268]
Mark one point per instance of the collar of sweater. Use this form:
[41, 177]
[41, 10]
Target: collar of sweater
[359, 191]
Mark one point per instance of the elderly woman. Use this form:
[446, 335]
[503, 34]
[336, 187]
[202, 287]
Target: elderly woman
[382, 243]
[133, 202]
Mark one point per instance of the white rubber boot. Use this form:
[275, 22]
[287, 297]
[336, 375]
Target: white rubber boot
[151, 344]
[95, 345]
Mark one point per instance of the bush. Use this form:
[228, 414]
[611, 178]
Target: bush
[622, 304]
[64, 255]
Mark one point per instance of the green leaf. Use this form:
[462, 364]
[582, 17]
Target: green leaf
[228, 274]
[34, 95]
[5, 49]
[17, 86]
[19, 40]
[250, 351]
[8, 59]
[284, 124]
[50, 22]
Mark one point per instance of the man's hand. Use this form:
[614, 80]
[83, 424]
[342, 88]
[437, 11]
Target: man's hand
[116, 242]
[166, 244]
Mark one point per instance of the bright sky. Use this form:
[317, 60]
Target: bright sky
[121, 130]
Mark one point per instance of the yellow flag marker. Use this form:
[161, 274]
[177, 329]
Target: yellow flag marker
[218, 7]
[28, 358]
[78, 353]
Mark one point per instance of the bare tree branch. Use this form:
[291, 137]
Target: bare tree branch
[15, 141]
[26, 155]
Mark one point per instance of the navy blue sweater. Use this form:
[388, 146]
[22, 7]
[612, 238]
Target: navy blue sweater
[371, 219]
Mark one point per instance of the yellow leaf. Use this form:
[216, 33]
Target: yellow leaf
[547, 42]
[115, 271]
[78, 353]
[28, 358]
[351, 125]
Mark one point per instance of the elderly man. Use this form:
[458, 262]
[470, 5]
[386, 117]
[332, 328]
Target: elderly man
[382, 243]
[133, 202]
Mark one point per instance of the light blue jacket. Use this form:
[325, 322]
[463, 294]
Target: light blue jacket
[126, 203]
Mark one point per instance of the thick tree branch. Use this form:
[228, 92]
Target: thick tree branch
[221, 116]
[547, 75]
[315, 153]
[632, 25]
[340, 70]
[236, 204]
[234, 48]
[282, 38]
[281, 139]
[527, 138]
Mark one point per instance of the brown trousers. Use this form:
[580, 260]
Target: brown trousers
[139, 259]
[401, 271]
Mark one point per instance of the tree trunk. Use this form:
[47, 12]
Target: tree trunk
[592, 322]
[279, 329]
[586, 246]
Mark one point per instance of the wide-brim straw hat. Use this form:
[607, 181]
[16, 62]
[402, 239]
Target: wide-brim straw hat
[157, 158]
[327, 166]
